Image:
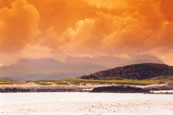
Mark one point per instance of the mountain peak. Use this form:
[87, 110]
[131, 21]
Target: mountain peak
[45, 60]
[45, 69]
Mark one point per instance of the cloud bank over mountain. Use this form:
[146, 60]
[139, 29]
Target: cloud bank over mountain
[49, 68]
[59, 29]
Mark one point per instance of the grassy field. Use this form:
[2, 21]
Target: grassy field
[162, 78]
[78, 81]
[10, 82]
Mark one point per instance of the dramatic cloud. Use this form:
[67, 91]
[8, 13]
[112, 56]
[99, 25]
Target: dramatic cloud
[62, 28]
[18, 25]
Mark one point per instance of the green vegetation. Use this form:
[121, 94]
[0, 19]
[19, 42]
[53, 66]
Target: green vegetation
[79, 81]
[168, 77]
[43, 83]
[60, 82]
[123, 81]
[10, 82]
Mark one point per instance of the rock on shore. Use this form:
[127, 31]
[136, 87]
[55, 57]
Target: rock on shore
[120, 89]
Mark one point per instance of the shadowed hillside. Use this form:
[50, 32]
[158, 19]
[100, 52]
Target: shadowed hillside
[137, 71]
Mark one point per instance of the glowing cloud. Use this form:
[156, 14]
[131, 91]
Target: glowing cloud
[87, 27]
[18, 25]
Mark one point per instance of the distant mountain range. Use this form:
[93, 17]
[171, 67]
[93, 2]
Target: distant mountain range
[136, 71]
[45, 69]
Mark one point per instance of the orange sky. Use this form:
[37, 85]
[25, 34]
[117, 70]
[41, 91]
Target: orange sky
[61, 28]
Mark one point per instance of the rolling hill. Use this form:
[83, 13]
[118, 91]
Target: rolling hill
[136, 71]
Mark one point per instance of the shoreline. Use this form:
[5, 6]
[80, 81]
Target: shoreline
[121, 89]
[79, 85]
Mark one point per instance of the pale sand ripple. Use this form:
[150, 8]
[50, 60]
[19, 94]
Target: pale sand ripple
[91, 108]
[85, 104]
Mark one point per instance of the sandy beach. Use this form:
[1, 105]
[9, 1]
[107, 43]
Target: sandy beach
[85, 104]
